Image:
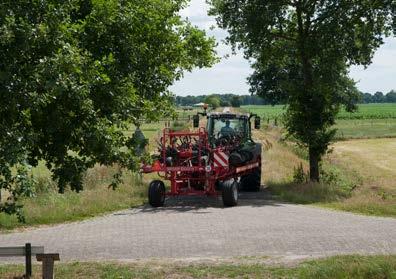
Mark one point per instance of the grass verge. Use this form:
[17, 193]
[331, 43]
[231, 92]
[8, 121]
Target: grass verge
[50, 207]
[334, 267]
[357, 177]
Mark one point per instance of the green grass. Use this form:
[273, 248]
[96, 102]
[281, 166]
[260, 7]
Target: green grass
[366, 128]
[335, 186]
[352, 266]
[365, 204]
[266, 111]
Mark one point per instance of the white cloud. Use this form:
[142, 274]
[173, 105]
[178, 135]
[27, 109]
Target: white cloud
[381, 74]
[229, 76]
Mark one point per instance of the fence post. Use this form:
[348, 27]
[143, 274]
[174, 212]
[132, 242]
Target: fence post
[28, 259]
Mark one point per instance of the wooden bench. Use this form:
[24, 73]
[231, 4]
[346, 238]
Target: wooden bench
[48, 264]
[28, 250]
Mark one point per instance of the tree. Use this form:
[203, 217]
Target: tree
[225, 103]
[213, 101]
[301, 51]
[73, 74]
[367, 98]
[378, 97]
[391, 96]
[236, 102]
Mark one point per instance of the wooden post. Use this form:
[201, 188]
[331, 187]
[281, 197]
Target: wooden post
[48, 264]
[28, 260]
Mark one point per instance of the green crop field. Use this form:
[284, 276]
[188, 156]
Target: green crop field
[370, 121]
[371, 111]
[365, 111]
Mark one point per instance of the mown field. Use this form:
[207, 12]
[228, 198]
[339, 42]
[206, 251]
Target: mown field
[334, 267]
[371, 166]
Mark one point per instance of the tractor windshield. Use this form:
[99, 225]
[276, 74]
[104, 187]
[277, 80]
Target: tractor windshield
[227, 127]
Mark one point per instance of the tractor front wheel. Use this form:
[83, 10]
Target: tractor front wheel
[156, 193]
[230, 192]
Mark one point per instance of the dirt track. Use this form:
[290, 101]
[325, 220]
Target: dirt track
[203, 228]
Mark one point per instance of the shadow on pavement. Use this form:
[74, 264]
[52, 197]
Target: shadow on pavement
[196, 204]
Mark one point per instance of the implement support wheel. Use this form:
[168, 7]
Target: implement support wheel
[230, 192]
[156, 193]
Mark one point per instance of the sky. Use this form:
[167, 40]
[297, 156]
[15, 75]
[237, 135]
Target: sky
[229, 75]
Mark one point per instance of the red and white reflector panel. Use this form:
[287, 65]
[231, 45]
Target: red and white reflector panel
[220, 159]
[247, 167]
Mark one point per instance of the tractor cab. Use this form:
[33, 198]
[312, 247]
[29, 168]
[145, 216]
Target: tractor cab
[226, 128]
[223, 128]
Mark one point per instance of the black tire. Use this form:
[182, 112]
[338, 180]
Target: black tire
[251, 182]
[230, 192]
[156, 193]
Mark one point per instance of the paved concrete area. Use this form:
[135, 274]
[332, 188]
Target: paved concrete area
[200, 227]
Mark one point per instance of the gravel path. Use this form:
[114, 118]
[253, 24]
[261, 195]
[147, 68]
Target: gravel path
[200, 227]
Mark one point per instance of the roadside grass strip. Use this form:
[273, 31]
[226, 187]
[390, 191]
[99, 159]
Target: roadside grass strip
[350, 266]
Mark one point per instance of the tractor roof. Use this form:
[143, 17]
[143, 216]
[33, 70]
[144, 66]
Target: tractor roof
[228, 115]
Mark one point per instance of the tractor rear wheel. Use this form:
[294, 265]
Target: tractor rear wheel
[230, 192]
[156, 193]
[252, 181]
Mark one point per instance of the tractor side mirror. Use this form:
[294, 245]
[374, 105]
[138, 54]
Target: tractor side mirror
[196, 121]
[257, 123]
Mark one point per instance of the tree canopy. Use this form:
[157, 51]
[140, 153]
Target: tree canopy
[74, 73]
[213, 101]
[225, 99]
[236, 102]
[301, 51]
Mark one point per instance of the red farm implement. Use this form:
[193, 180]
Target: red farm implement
[218, 160]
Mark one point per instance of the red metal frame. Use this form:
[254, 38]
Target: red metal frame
[183, 174]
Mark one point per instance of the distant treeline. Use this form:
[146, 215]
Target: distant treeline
[226, 99]
[379, 97]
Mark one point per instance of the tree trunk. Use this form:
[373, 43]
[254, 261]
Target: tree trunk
[313, 165]
[307, 69]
